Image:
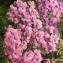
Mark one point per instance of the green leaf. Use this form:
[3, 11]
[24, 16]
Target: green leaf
[50, 15]
[4, 60]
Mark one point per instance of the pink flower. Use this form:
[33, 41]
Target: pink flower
[32, 56]
[13, 44]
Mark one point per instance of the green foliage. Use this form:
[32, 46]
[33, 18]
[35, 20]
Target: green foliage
[50, 15]
[3, 60]
[60, 26]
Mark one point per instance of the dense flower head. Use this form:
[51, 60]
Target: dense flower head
[51, 11]
[50, 6]
[45, 41]
[13, 44]
[32, 57]
[26, 33]
[24, 14]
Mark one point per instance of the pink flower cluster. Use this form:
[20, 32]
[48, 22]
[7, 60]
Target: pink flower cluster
[32, 57]
[52, 9]
[42, 34]
[13, 44]
[27, 19]
[14, 48]
[52, 6]
[24, 14]
[45, 41]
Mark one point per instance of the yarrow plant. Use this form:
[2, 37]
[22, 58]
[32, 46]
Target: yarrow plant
[51, 11]
[42, 34]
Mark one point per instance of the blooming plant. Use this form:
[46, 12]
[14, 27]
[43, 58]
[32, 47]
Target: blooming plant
[35, 27]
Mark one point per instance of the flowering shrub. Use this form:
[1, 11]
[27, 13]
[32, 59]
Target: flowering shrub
[31, 29]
